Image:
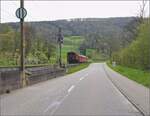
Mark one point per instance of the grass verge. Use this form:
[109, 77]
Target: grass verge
[140, 76]
[77, 68]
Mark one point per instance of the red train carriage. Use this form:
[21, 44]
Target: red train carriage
[82, 58]
[73, 57]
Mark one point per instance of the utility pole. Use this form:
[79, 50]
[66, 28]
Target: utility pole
[21, 13]
[22, 60]
[60, 62]
[60, 41]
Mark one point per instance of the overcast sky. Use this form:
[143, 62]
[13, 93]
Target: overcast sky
[54, 10]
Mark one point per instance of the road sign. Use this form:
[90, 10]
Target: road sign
[21, 13]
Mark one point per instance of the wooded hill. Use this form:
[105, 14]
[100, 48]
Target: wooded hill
[137, 54]
[106, 35]
[78, 27]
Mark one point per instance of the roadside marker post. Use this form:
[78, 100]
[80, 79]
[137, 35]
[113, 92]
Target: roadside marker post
[21, 14]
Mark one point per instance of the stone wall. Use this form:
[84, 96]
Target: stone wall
[10, 77]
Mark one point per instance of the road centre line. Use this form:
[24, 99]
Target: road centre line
[71, 88]
[54, 104]
[81, 78]
[57, 103]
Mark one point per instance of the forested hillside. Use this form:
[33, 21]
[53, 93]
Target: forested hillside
[102, 35]
[137, 54]
[78, 27]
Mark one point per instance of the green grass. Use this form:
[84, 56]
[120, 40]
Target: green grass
[140, 76]
[73, 40]
[71, 43]
[6, 61]
[65, 50]
[77, 68]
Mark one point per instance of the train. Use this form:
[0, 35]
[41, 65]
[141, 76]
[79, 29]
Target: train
[73, 57]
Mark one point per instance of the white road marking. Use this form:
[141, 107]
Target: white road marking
[125, 100]
[52, 112]
[54, 104]
[82, 78]
[71, 88]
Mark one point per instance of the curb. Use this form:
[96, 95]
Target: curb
[125, 95]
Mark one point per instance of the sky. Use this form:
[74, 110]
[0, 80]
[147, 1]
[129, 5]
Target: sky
[55, 10]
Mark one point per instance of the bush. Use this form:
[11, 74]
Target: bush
[137, 55]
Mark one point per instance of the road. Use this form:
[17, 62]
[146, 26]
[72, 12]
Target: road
[87, 92]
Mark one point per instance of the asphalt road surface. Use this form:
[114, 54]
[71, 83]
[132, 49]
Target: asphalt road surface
[87, 92]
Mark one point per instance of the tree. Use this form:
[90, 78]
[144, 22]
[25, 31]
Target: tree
[142, 10]
[137, 54]
[7, 40]
[50, 50]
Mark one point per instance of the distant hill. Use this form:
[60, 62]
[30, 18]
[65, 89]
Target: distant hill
[103, 34]
[79, 27]
[100, 36]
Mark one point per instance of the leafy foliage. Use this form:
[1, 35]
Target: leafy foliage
[104, 35]
[137, 54]
[37, 49]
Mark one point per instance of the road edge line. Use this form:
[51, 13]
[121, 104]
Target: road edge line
[123, 93]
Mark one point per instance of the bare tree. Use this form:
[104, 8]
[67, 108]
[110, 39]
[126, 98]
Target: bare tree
[142, 10]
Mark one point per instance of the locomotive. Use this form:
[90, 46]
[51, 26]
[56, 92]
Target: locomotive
[73, 58]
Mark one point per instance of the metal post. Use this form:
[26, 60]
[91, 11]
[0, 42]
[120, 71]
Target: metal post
[60, 41]
[60, 54]
[22, 58]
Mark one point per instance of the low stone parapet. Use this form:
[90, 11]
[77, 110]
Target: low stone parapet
[10, 78]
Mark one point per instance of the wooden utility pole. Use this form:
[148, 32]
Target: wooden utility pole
[60, 62]
[60, 41]
[22, 58]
